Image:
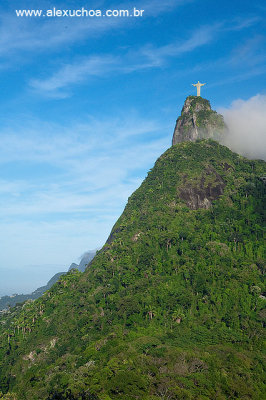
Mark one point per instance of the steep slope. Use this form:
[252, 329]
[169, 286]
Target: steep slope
[170, 308]
[198, 121]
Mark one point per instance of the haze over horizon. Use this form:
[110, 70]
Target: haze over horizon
[89, 104]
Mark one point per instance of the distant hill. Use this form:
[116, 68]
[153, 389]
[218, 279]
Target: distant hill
[11, 301]
[85, 260]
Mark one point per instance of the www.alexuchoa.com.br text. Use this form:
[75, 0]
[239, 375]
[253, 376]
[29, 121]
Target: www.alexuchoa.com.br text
[81, 12]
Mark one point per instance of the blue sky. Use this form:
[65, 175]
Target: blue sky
[88, 104]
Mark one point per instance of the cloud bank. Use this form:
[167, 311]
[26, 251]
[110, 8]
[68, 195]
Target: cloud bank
[246, 121]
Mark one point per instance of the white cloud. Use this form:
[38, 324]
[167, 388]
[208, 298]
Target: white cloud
[89, 141]
[18, 35]
[251, 52]
[240, 23]
[198, 38]
[155, 7]
[149, 56]
[104, 65]
[75, 73]
[246, 120]
[83, 175]
[14, 188]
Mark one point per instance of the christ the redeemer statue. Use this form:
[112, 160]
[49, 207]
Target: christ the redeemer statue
[198, 85]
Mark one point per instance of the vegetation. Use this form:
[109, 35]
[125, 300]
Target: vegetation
[11, 301]
[198, 100]
[172, 307]
[198, 121]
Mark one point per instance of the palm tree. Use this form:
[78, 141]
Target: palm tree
[150, 312]
[178, 315]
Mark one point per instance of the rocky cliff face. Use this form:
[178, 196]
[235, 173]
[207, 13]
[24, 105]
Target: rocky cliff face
[200, 192]
[198, 121]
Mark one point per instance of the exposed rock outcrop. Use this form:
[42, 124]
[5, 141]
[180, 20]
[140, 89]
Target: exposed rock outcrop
[198, 121]
[200, 193]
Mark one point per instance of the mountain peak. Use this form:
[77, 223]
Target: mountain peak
[198, 121]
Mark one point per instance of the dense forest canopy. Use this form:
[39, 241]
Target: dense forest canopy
[172, 307]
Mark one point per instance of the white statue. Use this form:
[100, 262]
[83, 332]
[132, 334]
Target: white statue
[198, 85]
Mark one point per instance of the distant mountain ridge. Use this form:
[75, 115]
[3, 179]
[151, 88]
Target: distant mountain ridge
[10, 301]
[85, 260]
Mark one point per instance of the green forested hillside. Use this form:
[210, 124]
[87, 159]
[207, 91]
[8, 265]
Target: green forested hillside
[170, 308]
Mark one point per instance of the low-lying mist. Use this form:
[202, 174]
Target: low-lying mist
[246, 122]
